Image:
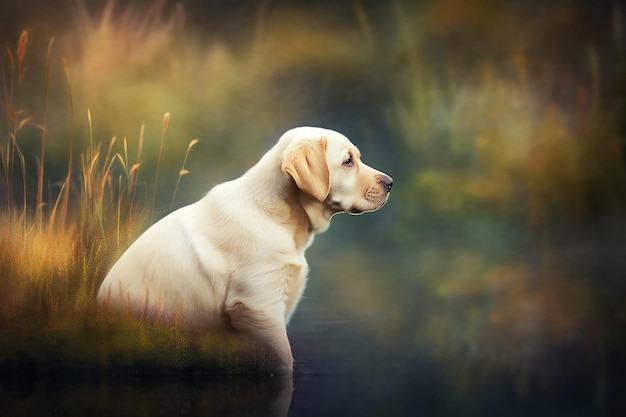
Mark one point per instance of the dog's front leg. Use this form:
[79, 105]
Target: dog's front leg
[267, 327]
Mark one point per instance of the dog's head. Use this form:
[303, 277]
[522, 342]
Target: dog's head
[327, 166]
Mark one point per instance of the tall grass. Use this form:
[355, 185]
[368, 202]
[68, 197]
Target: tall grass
[56, 246]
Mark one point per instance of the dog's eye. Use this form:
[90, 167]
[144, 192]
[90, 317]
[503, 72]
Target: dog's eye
[348, 161]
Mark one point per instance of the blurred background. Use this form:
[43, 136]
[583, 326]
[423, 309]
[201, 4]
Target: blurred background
[498, 265]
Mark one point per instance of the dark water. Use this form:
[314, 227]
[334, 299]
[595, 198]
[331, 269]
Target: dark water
[342, 372]
[341, 394]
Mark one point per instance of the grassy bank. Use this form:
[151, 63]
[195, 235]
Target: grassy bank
[57, 241]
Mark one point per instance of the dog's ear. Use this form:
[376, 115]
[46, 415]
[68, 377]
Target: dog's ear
[306, 162]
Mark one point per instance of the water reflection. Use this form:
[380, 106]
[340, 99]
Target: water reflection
[418, 391]
[150, 395]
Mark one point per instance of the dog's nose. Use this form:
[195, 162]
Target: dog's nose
[387, 182]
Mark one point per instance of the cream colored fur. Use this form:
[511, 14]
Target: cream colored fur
[235, 259]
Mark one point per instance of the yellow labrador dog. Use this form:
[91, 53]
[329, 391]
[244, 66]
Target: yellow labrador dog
[235, 259]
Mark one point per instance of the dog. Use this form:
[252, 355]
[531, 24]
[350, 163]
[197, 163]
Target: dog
[234, 260]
